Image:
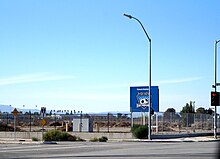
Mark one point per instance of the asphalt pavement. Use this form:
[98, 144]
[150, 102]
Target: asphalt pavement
[110, 150]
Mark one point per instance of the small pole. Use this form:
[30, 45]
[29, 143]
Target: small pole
[162, 122]
[144, 119]
[108, 122]
[55, 122]
[14, 127]
[15, 113]
[80, 121]
[187, 120]
[157, 122]
[7, 122]
[43, 129]
[30, 120]
[179, 123]
[132, 122]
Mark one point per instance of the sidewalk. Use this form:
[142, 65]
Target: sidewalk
[18, 141]
[185, 139]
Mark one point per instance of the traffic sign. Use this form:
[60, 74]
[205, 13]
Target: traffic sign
[43, 122]
[15, 112]
[43, 110]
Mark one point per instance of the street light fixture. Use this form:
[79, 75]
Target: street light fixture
[215, 85]
[149, 39]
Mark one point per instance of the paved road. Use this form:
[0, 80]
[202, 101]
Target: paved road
[109, 150]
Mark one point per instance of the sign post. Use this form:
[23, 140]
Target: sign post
[15, 113]
[43, 121]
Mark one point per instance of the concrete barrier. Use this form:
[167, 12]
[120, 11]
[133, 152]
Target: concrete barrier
[110, 135]
[21, 135]
[90, 135]
[83, 135]
[173, 136]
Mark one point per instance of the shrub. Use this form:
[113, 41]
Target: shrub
[140, 131]
[56, 135]
[35, 139]
[71, 138]
[52, 135]
[64, 136]
[103, 139]
[79, 139]
[95, 139]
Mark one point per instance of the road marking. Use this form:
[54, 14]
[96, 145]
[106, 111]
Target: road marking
[54, 147]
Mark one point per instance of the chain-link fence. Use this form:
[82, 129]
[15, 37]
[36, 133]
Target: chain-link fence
[162, 123]
[170, 123]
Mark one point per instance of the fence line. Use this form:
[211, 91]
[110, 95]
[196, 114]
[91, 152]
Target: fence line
[168, 123]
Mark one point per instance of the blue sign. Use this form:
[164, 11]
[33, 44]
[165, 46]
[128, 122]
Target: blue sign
[139, 99]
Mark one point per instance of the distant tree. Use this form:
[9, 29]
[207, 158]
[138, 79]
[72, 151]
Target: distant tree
[169, 114]
[201, 110]
[187, 113]
[125, 116]
[209, 111]
[86, 115]
[36, 113]
[26, 113]
[119, 115]
[170, 110]
[188, 108]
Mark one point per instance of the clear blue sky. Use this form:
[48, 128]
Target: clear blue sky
[84, 55]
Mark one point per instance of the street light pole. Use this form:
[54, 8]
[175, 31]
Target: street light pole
[149, 39]
[215, 86]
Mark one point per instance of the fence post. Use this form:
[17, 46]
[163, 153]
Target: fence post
[143, 119]
[187, 120]
[132, 122]
[194, 122]
[179, 123]
[108, 122]
[156, 122]
[162, 121]
[202, 121]
[30, 120]
[15, 127]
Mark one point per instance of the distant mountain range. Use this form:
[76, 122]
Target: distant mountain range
[6, 108]
[9, 109]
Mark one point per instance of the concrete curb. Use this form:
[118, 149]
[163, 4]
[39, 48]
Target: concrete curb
[174, 138]
[49, 142]
[190, 139]
[18, 141]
